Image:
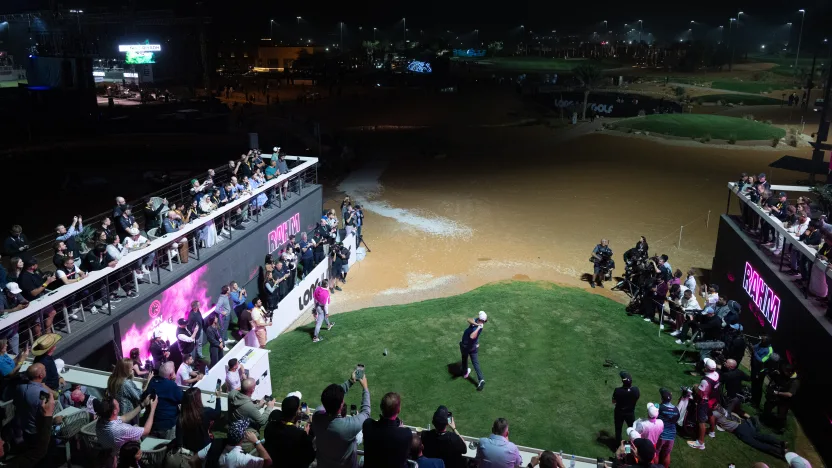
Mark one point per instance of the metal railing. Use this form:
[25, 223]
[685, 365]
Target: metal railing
[97, 291]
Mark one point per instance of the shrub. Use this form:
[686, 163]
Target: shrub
[768, 122]
[679, 91]
[774, 142]
[705, 138]
[748, 116]
[720, 103]
[733, 139]
[791, 140]
[641, 113]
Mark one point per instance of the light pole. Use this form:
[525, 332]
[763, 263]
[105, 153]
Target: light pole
[799, 37]
[640, 28]
[404, 29]
[732, 44]
[341, 46]
[271, 30]
[374, 34]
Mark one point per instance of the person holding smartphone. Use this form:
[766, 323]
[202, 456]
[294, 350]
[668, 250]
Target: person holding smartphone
[288, 444]
[443, 441]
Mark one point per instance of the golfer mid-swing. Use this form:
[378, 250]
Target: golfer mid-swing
[469, 346]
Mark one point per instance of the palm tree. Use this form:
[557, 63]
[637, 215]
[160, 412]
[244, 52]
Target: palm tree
[590, 77]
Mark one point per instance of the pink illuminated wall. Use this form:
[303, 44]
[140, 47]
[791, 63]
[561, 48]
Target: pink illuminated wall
[164, 312]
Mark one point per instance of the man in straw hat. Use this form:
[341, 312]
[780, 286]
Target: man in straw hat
[42, 350]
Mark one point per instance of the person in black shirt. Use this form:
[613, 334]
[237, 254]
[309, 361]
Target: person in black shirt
[625, 399]
[780, 395]
[125, 222]
[61, 253]
[443, 444]
[42, 350]
[32, 282]
[17, 245]
[159, 351]
[151, 215]
[469, 347]
[320, 240]
[195, 321]
[386, 442]
[193, 426]
[732, 378]
[289, 445]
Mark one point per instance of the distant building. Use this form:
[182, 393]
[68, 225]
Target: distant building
[280, 58]
[236, 55]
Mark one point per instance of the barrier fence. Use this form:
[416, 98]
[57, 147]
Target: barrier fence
[56, 309]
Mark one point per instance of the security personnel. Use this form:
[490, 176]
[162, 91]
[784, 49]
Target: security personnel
[760, 355]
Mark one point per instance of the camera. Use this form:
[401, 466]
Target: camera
[686, 392]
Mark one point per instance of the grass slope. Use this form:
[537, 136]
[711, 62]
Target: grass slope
[544, 64]
[542, 353]
[748, 86]
[718, 127]
[743, 99]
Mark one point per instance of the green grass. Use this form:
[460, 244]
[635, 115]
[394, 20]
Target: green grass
[748, 86]
[544, 64]
[718, 127]
[743, 99]
[542, 353]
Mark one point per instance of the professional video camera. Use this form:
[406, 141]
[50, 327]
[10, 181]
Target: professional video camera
[606, 264]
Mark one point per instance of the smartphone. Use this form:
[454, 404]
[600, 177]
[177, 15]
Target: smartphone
[153, 394]
[303, 407]
[44, 396]
[353, 410]
[450, 417]
[219, 384]
[627, 448]
[247, 376]
[359, 371]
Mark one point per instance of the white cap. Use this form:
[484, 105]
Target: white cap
[482, 316]
[13, 287]
[652, 410]
[703, 386]
[796, 461]
[710, 364]
[132, 231]
[295, 394]
[633, 434]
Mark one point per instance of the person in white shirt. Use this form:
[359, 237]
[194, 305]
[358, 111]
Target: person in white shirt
[796, 229]
[687, 303]
[229, 451]
[70, 273]
[258, 318]
[234, 375]
[136, 241]
[186, 375]
[690, 281]
[712, 296]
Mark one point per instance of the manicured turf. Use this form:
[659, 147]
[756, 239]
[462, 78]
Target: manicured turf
[748, 86]
[743, 99]
[543, 64]
[542, 353]
[718, 127]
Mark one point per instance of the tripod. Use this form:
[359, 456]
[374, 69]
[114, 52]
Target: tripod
[361, 241]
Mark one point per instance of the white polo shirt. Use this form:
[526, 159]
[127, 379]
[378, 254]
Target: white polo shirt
[233, 457]
[183, 374]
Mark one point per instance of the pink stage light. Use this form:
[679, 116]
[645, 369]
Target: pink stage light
[761, 295]
[163, 313]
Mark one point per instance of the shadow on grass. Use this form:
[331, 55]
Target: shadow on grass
[457, 372]
[607, 440]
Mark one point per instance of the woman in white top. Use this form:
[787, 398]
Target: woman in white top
[208, 232]
[690, 281]
[258, 319]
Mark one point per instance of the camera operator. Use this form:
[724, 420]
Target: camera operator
[732, 378]
[709, 331]
[637, 254]
[663, 268]
[734, 342]
[782, 388]
[761, 354]
[602, 258]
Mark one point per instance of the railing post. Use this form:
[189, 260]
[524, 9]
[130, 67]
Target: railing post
[680, 236]
[107, 296]
[66, 320]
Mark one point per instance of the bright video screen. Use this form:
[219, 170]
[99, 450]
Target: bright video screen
[139, 58]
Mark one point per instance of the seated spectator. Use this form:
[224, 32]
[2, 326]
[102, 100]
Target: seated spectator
[10, 302]
[17, 245]
[136, 241]
[36, 452]
[33, 285]
[121, 204]
[130, 455]
[386, 442]
[106, 227]
[113, 431]
[290, 445]
[120, 386]
[69, 273]
[335, 435]
[126, 222]
[443, 444]
[234, 375]
[10, 366]
[547, 459]
[241, 406]
[43, 349]
[15, 269]
[61, 252]
[97, 259]
[193, 428]
[169, 396]
[186, 375]
[79, 398]
[139, 368]
[68, 236]
[151, 214]
[416, 454]
[171, 225]
[229, 453]
[496, 450]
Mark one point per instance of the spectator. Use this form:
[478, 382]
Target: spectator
[121, 204]
[642, 455]
[68, 236]
[186, 376]
[214, 338]
[10, 302]
[169, 396]
[345, 204]
[130, 455]
[61, 252]
[259, 322]
[290, 260]
[228, 453]
[42, 349]
[171, 225]
[796, 461]
[335, 433]
[652, 427]
[197, 322]
[186, 338]
[106, 227]
[113, 431]
[15, 269]
[244, 324]
[4, 274]
[417, 456]
[241, 406]
[98, 259]
[159, 350]
[749, 432]
[287, 443]
[223, 311]
[126, 221]
[386, 442]
[349, 220]
[283, 169]
[39, 445]
[27, 403]
[732, 378]
[33, 285]
[10, 366]
[151, 214]
[17, 245]
[442, 444]
[139, 369]
[120, 386]
[193, 430]
[238, 297]
[780, 397]
[234, 375]
[669, 415]
[307, 258]
[69, 273]
[136, 241]
[496, 450]
[625, 399]
[547, 459]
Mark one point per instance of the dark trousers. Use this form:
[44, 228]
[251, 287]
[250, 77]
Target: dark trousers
[216, 355]
[308, 265]
[782, 406]
[622, 418]
[749, 432]
[757, 379]
[475, 361]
